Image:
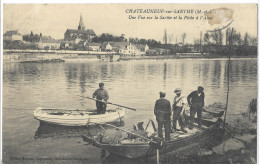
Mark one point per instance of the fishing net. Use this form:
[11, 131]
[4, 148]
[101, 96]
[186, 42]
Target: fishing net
[112, 136]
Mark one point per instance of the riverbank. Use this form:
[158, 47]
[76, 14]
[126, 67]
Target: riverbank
[208, 56]
[74, 57]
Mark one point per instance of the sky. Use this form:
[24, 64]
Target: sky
[54, 19]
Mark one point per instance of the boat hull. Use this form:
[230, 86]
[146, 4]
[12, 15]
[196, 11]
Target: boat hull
[135, 150]
[77, 117]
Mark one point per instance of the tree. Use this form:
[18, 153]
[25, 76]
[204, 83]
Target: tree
[220, 38]
[183, 36]
[253, 41]
[246, 39]
[215, 37]
[206, 38]
[227, 36]
[31, 35]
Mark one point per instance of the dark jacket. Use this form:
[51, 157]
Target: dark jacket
[162, 109]
[101, 94]
[196, 101]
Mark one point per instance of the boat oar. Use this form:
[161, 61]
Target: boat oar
[110, 103]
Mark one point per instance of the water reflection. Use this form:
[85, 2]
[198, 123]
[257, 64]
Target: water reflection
[130, 80]
[131, 83]
[47, 130]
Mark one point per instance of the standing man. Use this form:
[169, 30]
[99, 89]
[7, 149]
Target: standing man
[177, 107]
[162, 111]
[101, 94]
[196, 103]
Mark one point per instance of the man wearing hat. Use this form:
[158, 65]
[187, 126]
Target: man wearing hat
[101, 94]
[196, 103]
[178, 104]
[162, 111]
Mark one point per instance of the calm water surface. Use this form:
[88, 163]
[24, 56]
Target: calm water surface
[131, 83]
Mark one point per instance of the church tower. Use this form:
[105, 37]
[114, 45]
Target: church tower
[81, 23]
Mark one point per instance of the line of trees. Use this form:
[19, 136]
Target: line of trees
[213, 43]
[150, 42]
[105, 37]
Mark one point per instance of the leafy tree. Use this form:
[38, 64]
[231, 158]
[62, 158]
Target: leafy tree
[206, 38]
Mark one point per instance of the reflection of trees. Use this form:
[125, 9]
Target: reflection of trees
[205, 71]
[104, 71]
[83, 78]
[243, 70]
[71, 73]
[11, 73]
[216, 73]
[164, 73]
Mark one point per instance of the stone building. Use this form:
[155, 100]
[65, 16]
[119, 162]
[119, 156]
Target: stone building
[80, 34]
[12, 36]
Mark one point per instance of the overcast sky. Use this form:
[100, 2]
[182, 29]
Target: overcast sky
[54, 19]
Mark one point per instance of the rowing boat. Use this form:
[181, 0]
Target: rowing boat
[209, 131]
[76, 117]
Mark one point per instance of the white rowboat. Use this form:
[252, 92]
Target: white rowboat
[77, 117]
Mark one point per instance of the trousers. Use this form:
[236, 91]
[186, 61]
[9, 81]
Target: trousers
[178, 117]
[193, 111]
[101, 107]
[167, 127]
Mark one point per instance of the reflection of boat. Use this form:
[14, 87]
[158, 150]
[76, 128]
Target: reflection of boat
[46, 130]
[179, 141]
[109, 57]
[77, 117]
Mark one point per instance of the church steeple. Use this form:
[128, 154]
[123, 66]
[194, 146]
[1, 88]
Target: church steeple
[81, 23]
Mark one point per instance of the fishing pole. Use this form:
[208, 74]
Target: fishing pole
[110, 103]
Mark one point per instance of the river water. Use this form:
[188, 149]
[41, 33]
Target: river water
[131, 83]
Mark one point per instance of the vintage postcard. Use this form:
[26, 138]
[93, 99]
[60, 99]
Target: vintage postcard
[129, 83]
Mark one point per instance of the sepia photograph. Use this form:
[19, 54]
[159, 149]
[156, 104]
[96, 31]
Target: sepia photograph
[110, 83]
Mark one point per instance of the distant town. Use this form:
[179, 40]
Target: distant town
[82, 39]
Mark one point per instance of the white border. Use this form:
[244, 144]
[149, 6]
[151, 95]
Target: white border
[131, 1]
[121, 2]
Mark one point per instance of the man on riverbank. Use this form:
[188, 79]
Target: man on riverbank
[177, 107]
[196, 103]
[101, 94]
[162, 111]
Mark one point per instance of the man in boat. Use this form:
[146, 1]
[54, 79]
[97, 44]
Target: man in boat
[196, 103]
[177, 108]
[101, 94]
[162, 111]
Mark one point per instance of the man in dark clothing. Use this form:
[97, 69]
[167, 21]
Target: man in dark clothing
[196, 103]
[162, 111]
[101, 94]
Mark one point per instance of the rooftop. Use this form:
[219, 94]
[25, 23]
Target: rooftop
[88, 31]
[10, 33]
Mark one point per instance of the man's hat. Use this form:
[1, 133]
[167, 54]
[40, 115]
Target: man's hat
[162, 93]
[101, 84]
[177, 90]
[200, 89]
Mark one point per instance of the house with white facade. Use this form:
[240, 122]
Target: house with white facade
[93, 46]
[125, 48]
[12, 36]
[134, 50]
[46, 42]
[106, 46]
